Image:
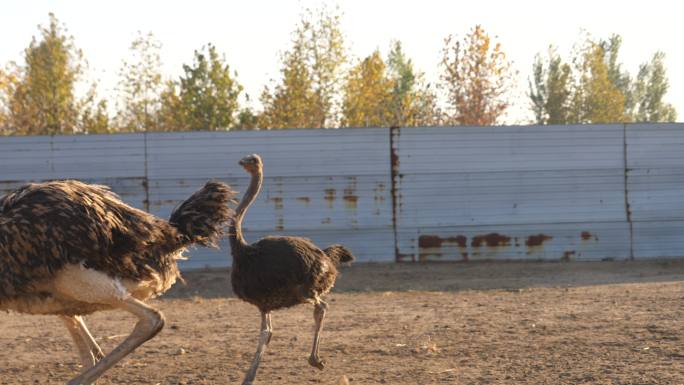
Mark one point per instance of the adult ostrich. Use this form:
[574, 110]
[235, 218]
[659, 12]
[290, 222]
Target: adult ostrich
[279, 272]
[68, 248]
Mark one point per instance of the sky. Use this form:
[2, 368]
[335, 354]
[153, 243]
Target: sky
[252, 34]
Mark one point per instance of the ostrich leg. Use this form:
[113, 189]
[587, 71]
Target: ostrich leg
[150, 322]
[85, 352]
[88, 338]
[264, 339]
[85, 334]
[319, 314]
[87, 285]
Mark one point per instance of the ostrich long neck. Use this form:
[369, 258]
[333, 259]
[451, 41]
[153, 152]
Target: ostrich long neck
[237, 241]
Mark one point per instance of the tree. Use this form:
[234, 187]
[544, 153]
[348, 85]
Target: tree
[367, 94]
[320, 36]
[597, 99]
[38, 97]
[550, 89]
[477, 78]
[140, 86]
[170, 115]
[247, 119]
[412, 101]
[619, 78]
[43, 100]
[208, 92]
[387, 93]
[8, 82]
[293, 103]
[649, 89]
[595, 89]
[95, 119]
[311, 70]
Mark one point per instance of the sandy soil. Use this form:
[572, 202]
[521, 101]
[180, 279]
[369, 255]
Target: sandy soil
[467, 323]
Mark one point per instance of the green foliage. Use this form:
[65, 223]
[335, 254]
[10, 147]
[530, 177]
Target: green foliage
[477, 78]
[385, 94]
[95, 119]
[140, 86]
[293, 103]
[649, 89]
[320, 38]
[316, 90]
[247, 120]
[311, 70]
[170, 115]
[595, 89]
[38, 98]
[208, 93]
[550, 93]
[43, 101]
[619, 78]
[596, 98]
[8, 81]
[412, 101]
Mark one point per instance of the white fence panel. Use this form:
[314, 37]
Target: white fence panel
[452, 193]
[655, 183]
[327, 185]
[527, 192]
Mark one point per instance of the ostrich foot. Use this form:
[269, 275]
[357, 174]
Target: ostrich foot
[98, 355]
[316, 362]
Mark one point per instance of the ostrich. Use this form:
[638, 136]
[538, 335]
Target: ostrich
[69, 249]
[279, 272]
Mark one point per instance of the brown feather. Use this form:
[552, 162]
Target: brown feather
[45, 226]
[279, 272]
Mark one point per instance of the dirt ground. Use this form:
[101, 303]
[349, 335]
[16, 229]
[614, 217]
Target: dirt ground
[440, 323]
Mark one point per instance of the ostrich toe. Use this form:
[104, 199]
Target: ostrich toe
[316, 362]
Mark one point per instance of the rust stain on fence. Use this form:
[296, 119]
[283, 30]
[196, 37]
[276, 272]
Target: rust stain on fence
[379, 197]
[304, 200]
[350, 201]
[280, 219]
[350, 198]
[330, 194]
[490, 240]
[432, 245]
[535, 243]
[588, 236]
[435, 241]
[489, 245]
[278, 202]
[537, 240]
[349, 194]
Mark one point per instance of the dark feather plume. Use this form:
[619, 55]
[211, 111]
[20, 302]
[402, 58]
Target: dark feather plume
[339, 253]
[202, 218]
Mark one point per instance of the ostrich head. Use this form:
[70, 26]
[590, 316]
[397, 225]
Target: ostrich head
[251, 163]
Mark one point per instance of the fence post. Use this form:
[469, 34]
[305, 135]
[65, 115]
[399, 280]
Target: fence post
[146, 179]
[394, 131]
[628, 209]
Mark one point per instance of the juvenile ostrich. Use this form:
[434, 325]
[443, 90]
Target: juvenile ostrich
[68, 248]
[279, 272]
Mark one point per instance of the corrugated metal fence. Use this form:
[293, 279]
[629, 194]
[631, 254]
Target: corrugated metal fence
[450, 193]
